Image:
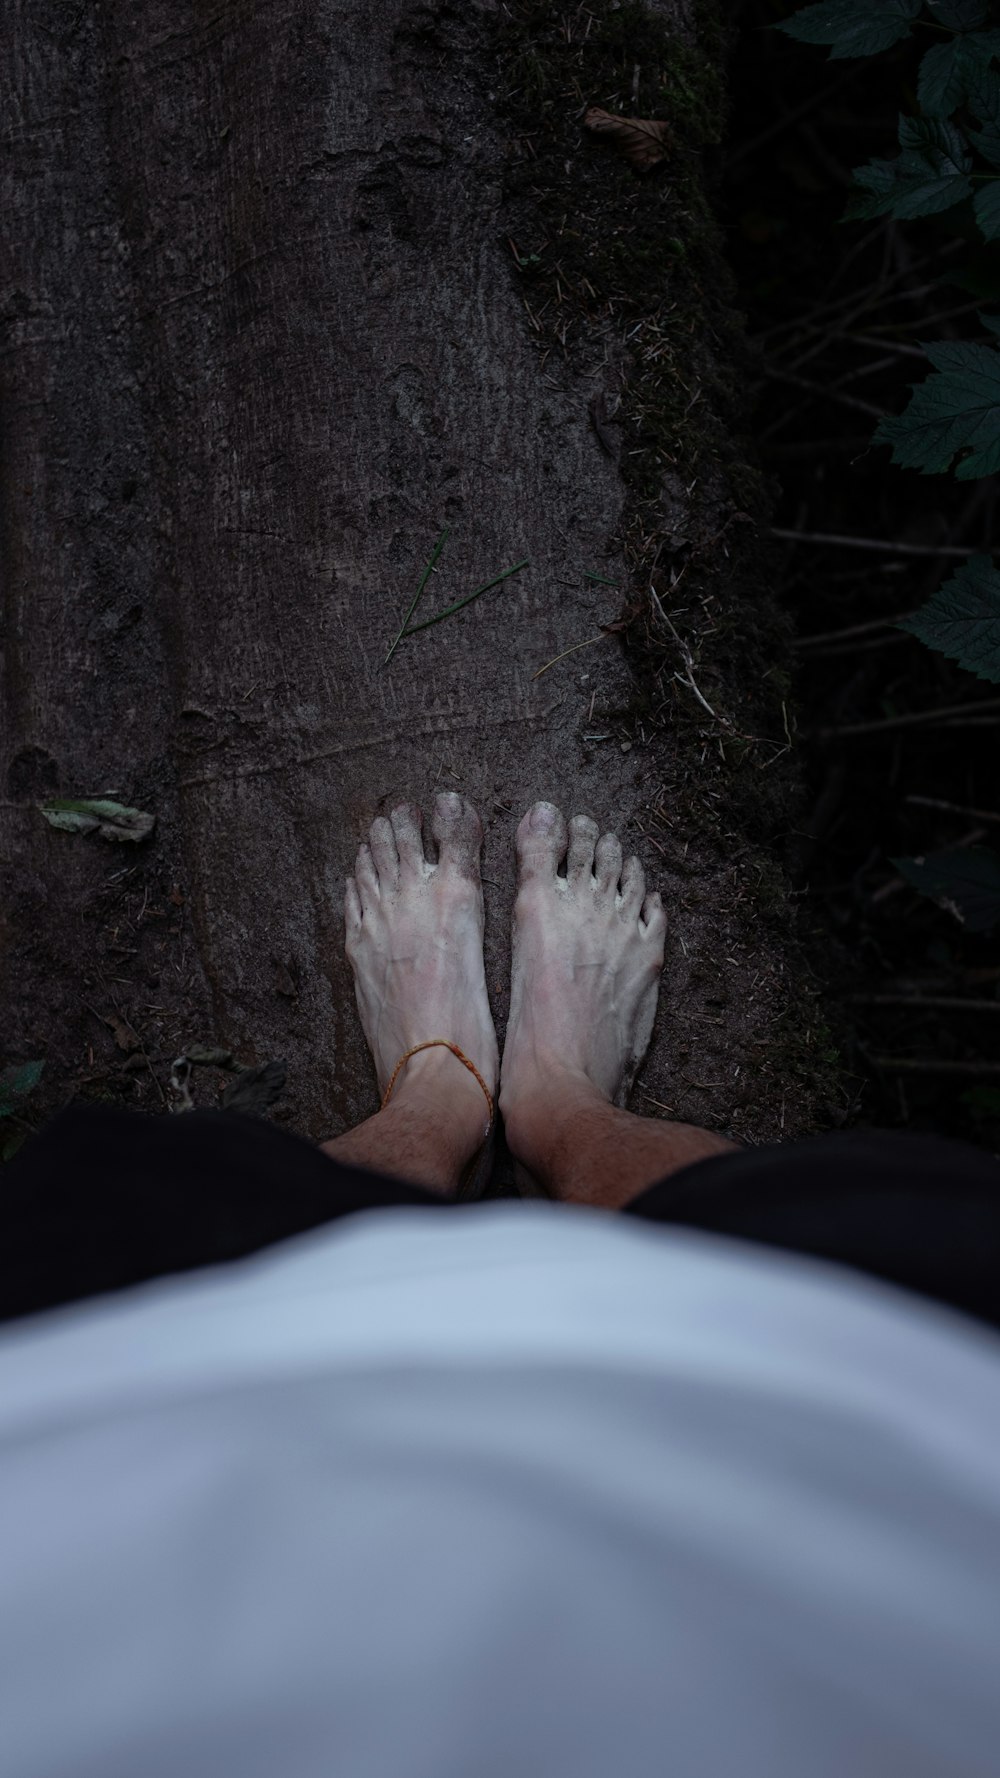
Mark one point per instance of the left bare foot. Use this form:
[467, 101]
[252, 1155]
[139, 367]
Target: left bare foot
[415, 944]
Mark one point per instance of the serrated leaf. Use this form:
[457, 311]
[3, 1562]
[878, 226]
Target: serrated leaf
[962, 619]
[930, 175]
[955, 410]
[16, 1082]
[966, 883]
[986, 205]
[853, 27]
[111, 821]
[984, 103]
[949, 71]
[959, 15]
[255, 1089]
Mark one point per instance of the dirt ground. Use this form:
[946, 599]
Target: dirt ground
[285, 294]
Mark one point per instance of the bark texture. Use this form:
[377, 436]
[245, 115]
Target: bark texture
[261, 341]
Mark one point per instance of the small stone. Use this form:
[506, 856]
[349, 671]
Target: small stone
[626, 746]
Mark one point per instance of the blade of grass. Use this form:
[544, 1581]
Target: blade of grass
[450, 609]
[600, 577]
[416, 597]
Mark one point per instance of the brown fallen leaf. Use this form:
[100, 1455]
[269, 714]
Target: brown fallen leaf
[640, 140]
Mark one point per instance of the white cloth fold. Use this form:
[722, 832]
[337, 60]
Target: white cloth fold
[517, 1492]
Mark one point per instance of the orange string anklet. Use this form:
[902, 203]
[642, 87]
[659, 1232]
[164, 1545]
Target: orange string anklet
[432, 1043]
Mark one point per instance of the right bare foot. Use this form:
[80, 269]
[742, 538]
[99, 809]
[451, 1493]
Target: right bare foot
[587, 956]
[415, 944]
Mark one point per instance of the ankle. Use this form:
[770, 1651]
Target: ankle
[541, 1109]
[436, 1086]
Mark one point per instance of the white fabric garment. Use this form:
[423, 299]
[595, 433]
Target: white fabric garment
[514, 1491]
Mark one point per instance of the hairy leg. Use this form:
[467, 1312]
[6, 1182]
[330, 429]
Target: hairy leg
[587, 956]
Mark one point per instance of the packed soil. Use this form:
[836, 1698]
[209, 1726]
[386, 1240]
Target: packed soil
[285, 296]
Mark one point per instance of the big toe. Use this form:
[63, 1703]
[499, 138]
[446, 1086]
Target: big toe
[541, 841]
[458, 831]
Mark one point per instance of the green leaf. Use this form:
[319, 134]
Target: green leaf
[966, 883]
[982, 1099]
[954, 411]
[112, 821]
[950, 70]
[16, 1083]
[990, 321]
[930, 175]
[960, 15]
[986, 205]
[853, 27]
[984, 103]
[15, 1140]
[962, 619]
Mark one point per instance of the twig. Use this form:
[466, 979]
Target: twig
[914, 719]
[952, 1001]
[416, 597]
[875, 623]
[884, 548]
[460, 604]
[921, 1065]
[829, 393]
[891, 639]
[937, 802]
[561, 657]
[687, 658]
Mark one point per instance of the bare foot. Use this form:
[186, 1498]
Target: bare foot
[587, 956]
[415, 944]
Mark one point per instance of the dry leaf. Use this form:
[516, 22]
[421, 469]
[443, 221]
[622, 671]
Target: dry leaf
[641, 141]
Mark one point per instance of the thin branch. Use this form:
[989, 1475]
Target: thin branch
[865, 629]
[924, 1065]
[937, 802]
[915, 719]
[561, 657]
[953, 1002]
[881, 546]
[827, 392]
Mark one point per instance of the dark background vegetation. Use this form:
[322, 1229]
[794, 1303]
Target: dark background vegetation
[900, 744]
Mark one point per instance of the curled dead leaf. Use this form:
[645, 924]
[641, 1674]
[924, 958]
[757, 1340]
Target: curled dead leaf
[641, 141]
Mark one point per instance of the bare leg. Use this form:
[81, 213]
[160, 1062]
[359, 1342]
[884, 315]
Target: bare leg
[588, 951]
[415, 943]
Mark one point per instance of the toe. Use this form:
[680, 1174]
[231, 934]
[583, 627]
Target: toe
[633, 887]
[608, 862]
[459, 834]
[366, 877]
[384, 853]
[582, 839]
[541, 842]
[352, 910]
[653, 920]
[406, 822]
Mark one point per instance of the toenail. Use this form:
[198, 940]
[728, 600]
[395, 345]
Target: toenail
[449, 802]
[543, 818]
